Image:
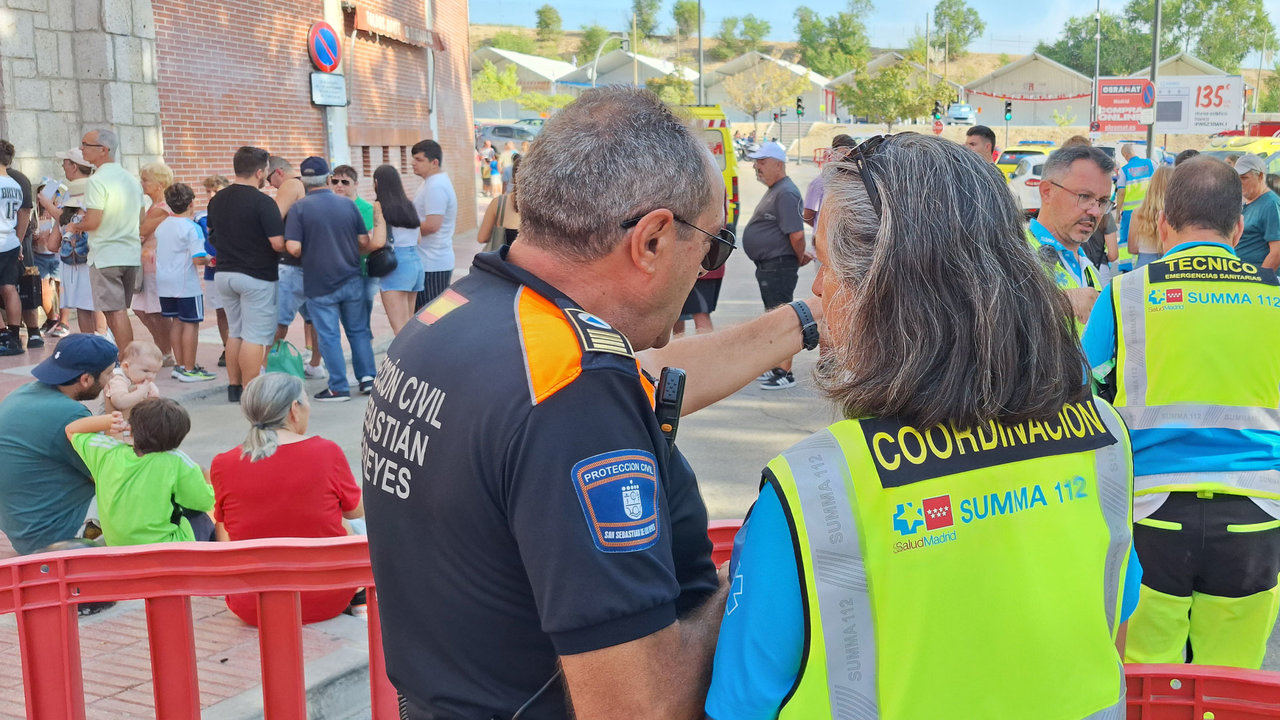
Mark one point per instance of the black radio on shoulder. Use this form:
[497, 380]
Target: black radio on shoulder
[668, 398]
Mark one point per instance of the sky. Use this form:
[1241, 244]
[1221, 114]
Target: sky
[1010, 29]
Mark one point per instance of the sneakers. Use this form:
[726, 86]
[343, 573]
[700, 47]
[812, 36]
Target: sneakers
[222, 359]
[59, 330]
[327, 395]
[195, 374]
[169, 361]
[778, 379]
[177, 372]
[33, 339]
[766, 375]
[10, 345]
[314, 372]
[366, 385]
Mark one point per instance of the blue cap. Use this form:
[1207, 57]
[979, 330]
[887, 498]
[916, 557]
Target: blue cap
[313, 167]
[75, 355]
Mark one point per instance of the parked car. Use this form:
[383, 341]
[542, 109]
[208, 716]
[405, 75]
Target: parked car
[1112, 149]
[1009, 159]
[1024, 183]
[959, 114]
[1266, 148]
[500, 135]
[534, 123]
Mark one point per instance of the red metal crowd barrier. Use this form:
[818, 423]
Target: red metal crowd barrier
[821, 156]
[42, 591]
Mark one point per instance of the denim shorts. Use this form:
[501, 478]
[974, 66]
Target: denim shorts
[50, 265]
[292, 299]
[407, 277]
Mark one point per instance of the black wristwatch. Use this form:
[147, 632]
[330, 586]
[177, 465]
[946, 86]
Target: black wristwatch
[808, 326]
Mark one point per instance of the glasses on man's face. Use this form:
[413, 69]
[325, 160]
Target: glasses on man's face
[341, 181]
[89, 145]
[1088, 202]
[722, 245]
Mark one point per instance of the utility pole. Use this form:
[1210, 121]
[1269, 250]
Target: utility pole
[1257, 91]
[1097, 61]
[946, 52]
[635, 44]
[928, 40]
[701, 99]
[1155, 68]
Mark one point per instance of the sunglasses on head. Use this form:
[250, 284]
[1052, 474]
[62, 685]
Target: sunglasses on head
[341, 181]
[859, 156]
[723, 245]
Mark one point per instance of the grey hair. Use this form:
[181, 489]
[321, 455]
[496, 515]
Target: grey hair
[266, 403]
[942, 313]
[109, 141]
[314, 181]
[1060, 160]
[613, 154]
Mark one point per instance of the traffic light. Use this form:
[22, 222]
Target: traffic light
[937, 109]
[775, 117]
[1008, 110]
[799, 106]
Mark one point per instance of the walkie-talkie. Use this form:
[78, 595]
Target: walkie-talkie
[668, 397]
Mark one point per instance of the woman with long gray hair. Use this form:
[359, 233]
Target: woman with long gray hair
[961, 537]
[282, 482]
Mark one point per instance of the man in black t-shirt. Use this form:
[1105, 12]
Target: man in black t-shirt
[248, 235]
[536, 541]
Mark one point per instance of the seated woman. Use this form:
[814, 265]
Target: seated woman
[283, 483]
[956, 547]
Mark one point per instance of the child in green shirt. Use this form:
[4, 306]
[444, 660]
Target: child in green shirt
[150, 491]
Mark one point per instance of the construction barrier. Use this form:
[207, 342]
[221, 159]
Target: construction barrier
[42, 591]
[821, 156]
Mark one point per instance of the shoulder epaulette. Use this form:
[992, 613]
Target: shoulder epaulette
[596, 335]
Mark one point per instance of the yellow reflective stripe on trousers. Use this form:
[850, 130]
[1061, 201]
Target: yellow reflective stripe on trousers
[1227, 417]
[1133, 319]
[1263, 481]
[840, 576]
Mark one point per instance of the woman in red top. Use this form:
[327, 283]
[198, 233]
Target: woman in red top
[282, 483]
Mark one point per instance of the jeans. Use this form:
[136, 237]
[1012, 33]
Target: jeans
[346, 305]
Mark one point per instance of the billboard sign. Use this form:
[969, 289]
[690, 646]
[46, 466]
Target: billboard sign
[1121, 102]
[1199, 104]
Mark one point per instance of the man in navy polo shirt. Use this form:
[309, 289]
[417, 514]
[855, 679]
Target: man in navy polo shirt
[327, 232]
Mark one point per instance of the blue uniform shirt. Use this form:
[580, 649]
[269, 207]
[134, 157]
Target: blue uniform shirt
[1176, 449]
[1070, 264]
[762, 635]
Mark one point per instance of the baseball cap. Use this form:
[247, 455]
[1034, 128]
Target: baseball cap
[74, 155]
[75, 355]
[313, 167]
[770, 150]
[1250, 163]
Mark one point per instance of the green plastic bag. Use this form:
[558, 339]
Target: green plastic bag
[285, 358]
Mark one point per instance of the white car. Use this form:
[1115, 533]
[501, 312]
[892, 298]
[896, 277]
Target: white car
[1024, 183]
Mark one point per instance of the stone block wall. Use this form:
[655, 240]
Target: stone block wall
[69, 66]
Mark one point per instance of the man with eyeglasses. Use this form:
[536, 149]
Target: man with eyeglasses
[113, 204]
[1075, 195]
[774, 240]
[292, 300]
[517, 473]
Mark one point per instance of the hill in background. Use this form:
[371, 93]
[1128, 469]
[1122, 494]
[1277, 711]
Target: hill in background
[970, 67]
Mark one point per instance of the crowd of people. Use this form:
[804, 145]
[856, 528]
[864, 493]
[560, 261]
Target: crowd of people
[105, 243]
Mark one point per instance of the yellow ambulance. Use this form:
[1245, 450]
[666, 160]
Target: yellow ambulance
[715, 130]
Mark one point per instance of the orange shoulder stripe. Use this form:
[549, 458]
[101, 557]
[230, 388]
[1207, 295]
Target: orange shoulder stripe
[552, 355]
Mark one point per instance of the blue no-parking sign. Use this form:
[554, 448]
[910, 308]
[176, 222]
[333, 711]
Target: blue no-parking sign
[324, 47]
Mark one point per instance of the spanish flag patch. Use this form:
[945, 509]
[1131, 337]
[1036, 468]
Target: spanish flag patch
[448, 301]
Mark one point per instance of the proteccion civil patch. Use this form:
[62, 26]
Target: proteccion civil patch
[619, 495]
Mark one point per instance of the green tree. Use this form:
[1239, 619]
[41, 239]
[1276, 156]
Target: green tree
[549, 27]
[646, 12]
[833, 45]
[489, 85]
[1270, 100]
[673, 89]
[687, 17]
[955, 26]
[1123, 48]
[515, 42]
[763, 86]
[593, 36]
[542, 103]
[740, 35]
[896, 93]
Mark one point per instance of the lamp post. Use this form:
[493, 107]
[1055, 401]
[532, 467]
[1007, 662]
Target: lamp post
[702, 101]
[1097, 61]
[1155, 68]
[596, 62]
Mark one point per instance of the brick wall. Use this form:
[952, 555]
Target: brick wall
[232, 73]
[453, 101]
[235, 72]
